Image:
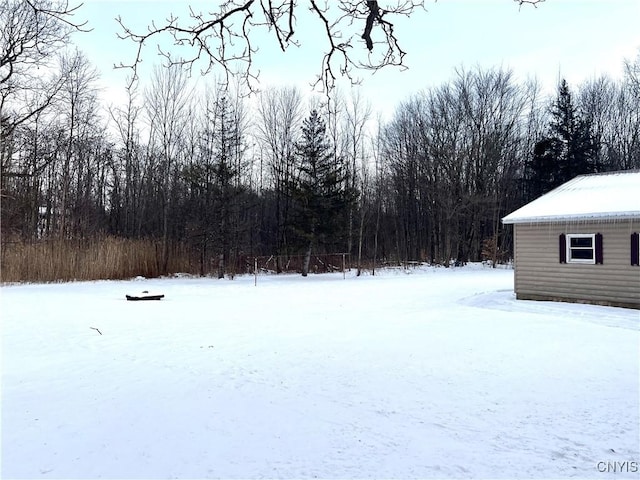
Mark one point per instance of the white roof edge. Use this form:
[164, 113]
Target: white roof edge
[598, 197]
[562, 218]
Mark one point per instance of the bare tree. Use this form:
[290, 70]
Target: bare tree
[454, 154]
[126, 167]
[222, 151]
[613, 112]
[167, 104]
[78, 105]
[59, 162]
[632, 71]
[357, 116]
[27, 154]
[279, 114]
[32, 32]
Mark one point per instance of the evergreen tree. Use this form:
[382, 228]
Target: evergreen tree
[321, 194]
[543, 168]
[569, 149]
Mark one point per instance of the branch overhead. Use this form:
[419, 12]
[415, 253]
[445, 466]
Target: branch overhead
[32, 34]
[229, 38]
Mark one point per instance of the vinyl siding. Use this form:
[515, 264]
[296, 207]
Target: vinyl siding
[540, 276]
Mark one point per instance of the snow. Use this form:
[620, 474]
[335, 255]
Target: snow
[586, 197]
[425, 373]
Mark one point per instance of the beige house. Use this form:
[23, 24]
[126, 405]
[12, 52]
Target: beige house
[581, 242]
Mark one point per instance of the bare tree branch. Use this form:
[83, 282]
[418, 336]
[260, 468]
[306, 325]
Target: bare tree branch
[226, 38]
[32, 33]
[530, 2]
[374, 14]
[62, 12]
[210, 36]
[632, 74]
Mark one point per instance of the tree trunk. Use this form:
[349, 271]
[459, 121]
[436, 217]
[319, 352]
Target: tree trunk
[221, 266]
[360, 235]
[306, 261]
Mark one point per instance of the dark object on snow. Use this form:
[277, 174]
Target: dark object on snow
[144, 296]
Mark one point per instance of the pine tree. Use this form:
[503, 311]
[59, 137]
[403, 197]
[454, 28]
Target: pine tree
[543, 168]
[569, 149]
[321, 194]
[573, 133]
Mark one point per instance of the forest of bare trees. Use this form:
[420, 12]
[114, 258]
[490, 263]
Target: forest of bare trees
[203, 179]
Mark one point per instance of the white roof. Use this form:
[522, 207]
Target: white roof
[586, 197]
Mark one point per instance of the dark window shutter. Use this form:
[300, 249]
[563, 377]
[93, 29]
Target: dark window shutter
[599, 249]
[635, 254]
[563, 248]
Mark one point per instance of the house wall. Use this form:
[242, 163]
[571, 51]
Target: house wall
[540, 276]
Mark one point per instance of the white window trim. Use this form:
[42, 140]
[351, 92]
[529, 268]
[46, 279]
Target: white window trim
[587, 261]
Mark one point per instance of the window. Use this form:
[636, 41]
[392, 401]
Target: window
[581, 248]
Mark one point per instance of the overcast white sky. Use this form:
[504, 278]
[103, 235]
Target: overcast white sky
[574, 39]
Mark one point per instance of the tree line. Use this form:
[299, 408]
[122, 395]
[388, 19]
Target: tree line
[459, 157]
[226, 177]
[282, 177]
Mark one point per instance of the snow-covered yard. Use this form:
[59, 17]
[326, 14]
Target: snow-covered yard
[433, 373]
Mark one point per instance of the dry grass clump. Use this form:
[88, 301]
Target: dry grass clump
[89, 259]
